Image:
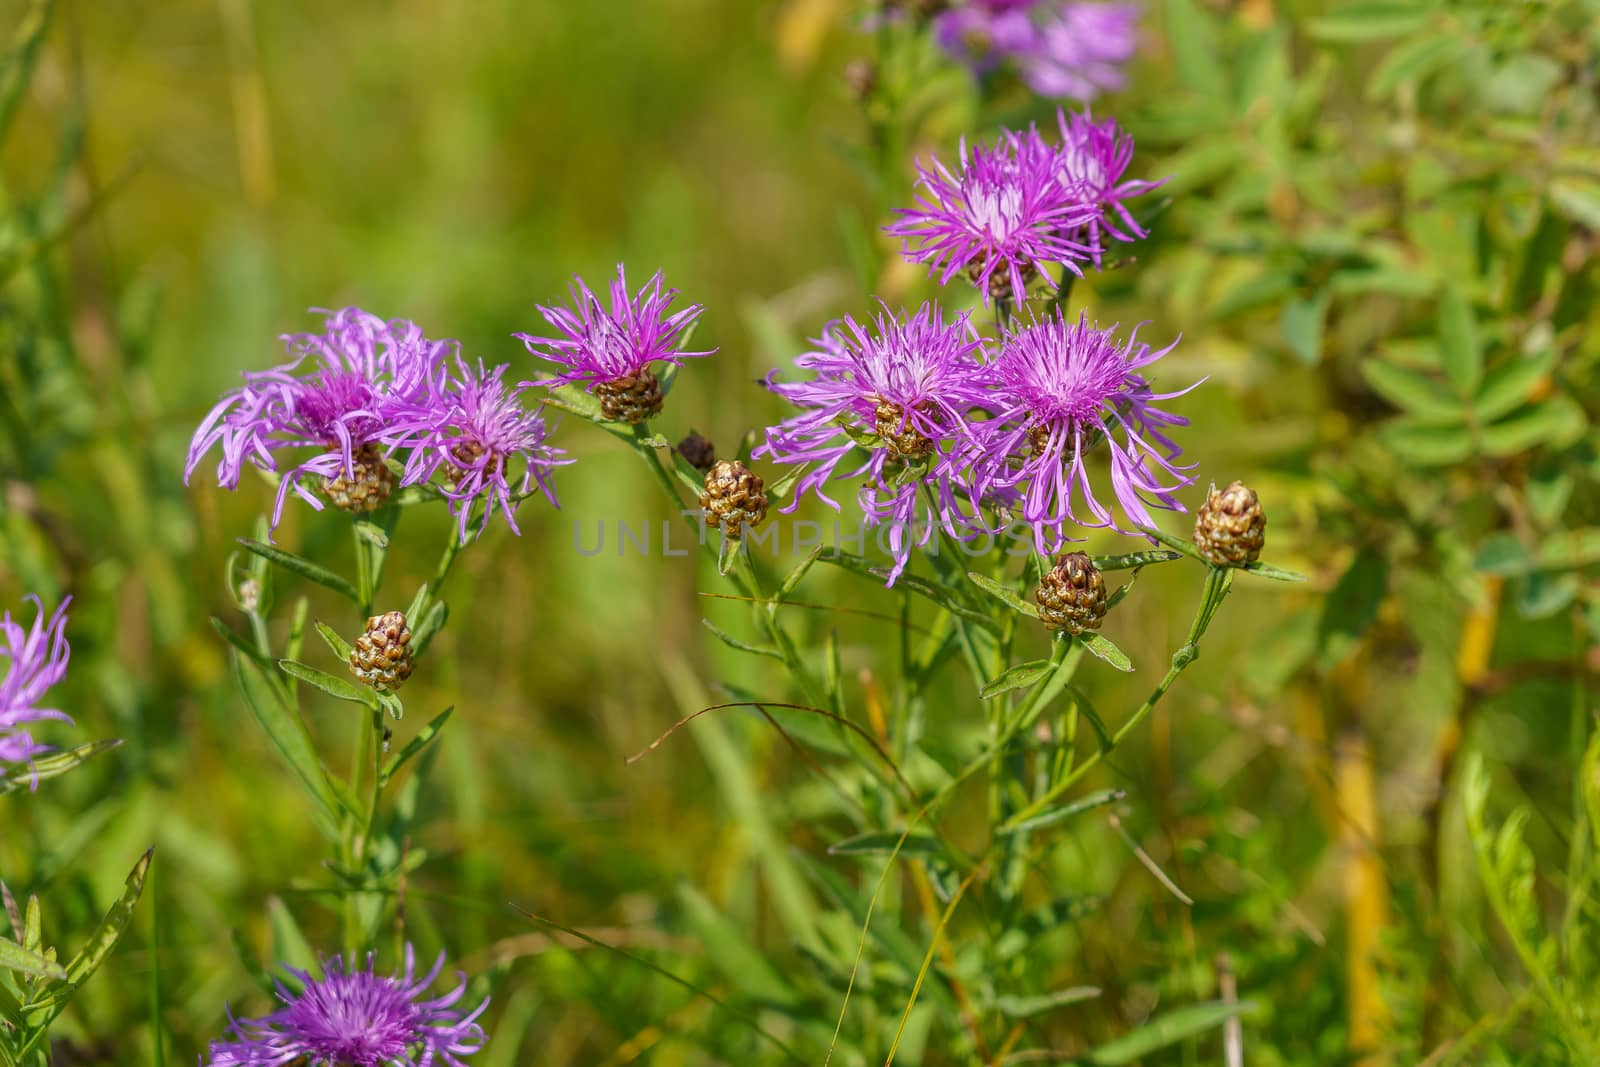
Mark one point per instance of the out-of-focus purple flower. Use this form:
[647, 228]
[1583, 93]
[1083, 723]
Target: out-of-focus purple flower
[611, 349]
[338, 393]
[1094, 156]
[1000, 218]
[491, 446]
[1080, 49]
[1062, 390]
[357, 1019]
[1062, 48]
[983, 35]
[903, 388]
[36, 659]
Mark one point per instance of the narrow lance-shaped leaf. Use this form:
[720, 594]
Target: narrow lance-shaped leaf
[415, 745]
[288, 734]
[334, 686]
[1010, 598]
[303, 567]
[1018, 677]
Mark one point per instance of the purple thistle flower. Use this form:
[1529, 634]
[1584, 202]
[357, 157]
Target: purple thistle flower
[599, 345]
[903, 388]
[477, 430]
[362, 369]
[1080, 49]
[984, 34]
[1062, 48]
[1005, 213]
[1093, 157]
[357, 1019]
[1062, 389]
[36, 660]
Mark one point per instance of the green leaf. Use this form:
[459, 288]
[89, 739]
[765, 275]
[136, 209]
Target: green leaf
[1164, 1031]
[414, 746]
[1352, 604]
[1555, 423]
[1010, 598]
[1052, 816]
[1301, 322]
[1383, 281]
[1409, 391]
[1131, 560]
[303, 567]
[1101, 647]
[1426, 445]
[1262, 290]
[1027, 1007]
[336, 644]
[739, 961]
[13, 957]
[1173, 541]
[288, 734]
[1018, 677]
[54, 765]
[336, 687]
[1577, 199]
[109, 932]
[289, 945]
[1369, 20]
[1413, 61]
[1508, 385]
[884, 842]
[1503, 554]
[423, 633]
[1267, 570]
[1459, 343]
[738, 645]
[16, 68]
[1194, 51]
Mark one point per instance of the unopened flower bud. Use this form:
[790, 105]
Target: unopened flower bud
[697, 451]
[632, 398]
[381, 657]
[1072, 595]
[733, 497]
[1230, 527]
[369, 484]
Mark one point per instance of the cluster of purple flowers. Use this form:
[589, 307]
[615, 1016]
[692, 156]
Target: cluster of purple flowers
[36, 659]
[983, 434]
[1061, 48]
[366, 389]
[1007, 212]
[358, 1018]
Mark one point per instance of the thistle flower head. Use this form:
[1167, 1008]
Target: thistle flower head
[985, 33]
[1080, 49]
[598, 344]
[1093, 158]
[900, 386]
[357, 1018]
[1001, 217]
[1063, 390]
[491, 446]
[36, 659]
[340, 393]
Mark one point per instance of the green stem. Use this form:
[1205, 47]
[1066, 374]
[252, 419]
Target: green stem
[1218, 581]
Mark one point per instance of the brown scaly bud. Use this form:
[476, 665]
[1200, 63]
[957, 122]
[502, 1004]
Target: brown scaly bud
[697, 451]
[899, 436]
[464, 456]
[369, 485]
[381, 657]
[631, 398]
[1072, 595]
[861, 77]
[733, 497]
[1230, 527]
[1000, 287]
